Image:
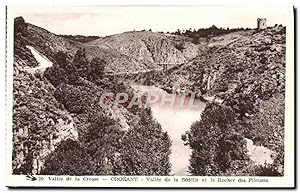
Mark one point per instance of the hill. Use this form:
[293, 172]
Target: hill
[243, 71]
[137, 51]
[126, 52]
[59, 124]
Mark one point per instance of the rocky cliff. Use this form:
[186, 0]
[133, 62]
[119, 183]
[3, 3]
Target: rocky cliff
[138, 51]
[251, 60]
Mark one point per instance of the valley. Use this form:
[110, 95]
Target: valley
[237, 77]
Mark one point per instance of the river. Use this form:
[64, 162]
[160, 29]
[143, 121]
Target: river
[176, 120]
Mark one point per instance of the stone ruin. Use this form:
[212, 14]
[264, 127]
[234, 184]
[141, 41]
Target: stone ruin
[261, 23]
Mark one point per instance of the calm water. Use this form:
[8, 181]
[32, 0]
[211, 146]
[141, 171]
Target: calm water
[176, 120]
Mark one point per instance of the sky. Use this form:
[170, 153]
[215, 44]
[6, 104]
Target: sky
[108, 20]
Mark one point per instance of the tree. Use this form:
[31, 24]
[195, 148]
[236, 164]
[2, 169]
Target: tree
[267, 128]
[214, 141]
[80, 64]
[80, 60]
[61, 59]
[69, 159]
[79, 68]
[96, 71]
[146, 149]
[60, 70]
[78, 98]
[178, 32]
[102, 142]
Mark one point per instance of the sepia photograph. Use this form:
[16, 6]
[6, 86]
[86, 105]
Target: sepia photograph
[125, 92]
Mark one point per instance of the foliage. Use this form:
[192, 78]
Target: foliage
[69, 159]
[80, 38]
[267, 170]
[58, 72]
[215, 141]
[145, 149]
[205, 32]
[106, 150]
[267, 128]
[96, 70]
[79, 86]
[102, 140]
[78, 98]
[71, 71]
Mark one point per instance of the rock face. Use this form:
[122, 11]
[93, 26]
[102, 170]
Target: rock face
[260, 155]
[20, 26]
[140, 51]
[190, 51]
[126, 52]
[251, 60]
[39, 124]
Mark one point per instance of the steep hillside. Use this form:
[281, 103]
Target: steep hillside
[242, 72]
[46, 42]
[250, 60]
[246, 71]
[137, 51]
[40, 122]
[126, 52]
[59, 125]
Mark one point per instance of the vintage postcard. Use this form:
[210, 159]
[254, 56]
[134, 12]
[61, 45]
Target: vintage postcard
[150, 96]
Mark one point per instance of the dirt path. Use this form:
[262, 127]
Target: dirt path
[43, 61]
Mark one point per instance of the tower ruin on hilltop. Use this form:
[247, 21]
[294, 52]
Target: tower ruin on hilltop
[261, 23]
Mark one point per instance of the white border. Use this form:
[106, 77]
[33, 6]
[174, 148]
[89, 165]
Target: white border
[286, 181]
